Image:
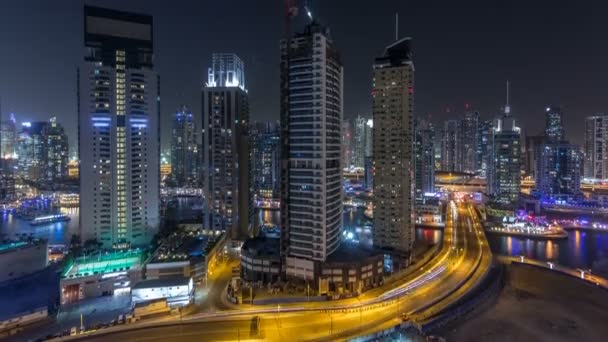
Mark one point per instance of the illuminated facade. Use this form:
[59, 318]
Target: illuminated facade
[469, 142]
[8, 138]
[554, 129]
[55, 152]
[30, 150]
[596, 146]
[558, 171]
[265, 159]
[393, 107]
[451, 151]
[119, 142]
[424, 150]
[347, 144]
[227, 181]
[184, 149]
[504, 182]
[311, 119]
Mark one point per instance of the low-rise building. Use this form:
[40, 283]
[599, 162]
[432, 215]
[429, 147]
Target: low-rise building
[351, 269]
[178, 291]
[19, 258]
[183, 254]
[100, 274]
[261, 260]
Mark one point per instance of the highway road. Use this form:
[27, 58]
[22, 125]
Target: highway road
[463, 261]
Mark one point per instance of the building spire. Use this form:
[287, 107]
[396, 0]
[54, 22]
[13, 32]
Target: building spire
[396, 26]
[507, 106]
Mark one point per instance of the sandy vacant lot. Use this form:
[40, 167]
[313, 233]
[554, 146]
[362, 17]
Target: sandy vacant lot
[537, 305]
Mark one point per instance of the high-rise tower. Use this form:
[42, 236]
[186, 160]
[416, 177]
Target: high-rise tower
[227, 184]
[504, 182]
[393, 106]
[424, 146]
[311, 119]
[184, 149]
[119, 141]
[596, 146]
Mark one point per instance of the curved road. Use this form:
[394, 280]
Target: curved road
[462, 263]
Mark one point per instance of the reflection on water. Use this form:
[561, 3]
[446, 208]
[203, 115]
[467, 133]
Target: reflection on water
[55, 233]
[581, 248]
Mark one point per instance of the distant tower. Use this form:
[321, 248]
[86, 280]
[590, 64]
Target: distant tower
[56, 151]
[424, 150]
[505, 181]
[393, 106]
[184, 149]
[554, 128]
[596, 146]
[451, 146]
[227, 183]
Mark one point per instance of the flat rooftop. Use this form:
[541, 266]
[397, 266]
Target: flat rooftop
[350, 252]
[10, 245]
[103, 263]
[164, 282]
[181, 246]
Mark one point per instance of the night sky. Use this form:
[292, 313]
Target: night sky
[464, 51]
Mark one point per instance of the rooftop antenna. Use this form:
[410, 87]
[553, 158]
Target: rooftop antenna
[507, 107]
[396, 26]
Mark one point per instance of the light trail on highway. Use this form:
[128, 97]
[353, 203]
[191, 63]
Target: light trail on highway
[454, 272]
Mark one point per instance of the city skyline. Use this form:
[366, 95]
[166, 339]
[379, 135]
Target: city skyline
[512, 40]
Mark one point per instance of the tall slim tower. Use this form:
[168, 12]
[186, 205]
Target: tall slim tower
[393, 106]
[184, 149]
[119, 140]
[451, 146]
[227, 183]
[505, 181]
[425, 157]
[554, 128]
[311, 118]
[468, 141]
[55, 151]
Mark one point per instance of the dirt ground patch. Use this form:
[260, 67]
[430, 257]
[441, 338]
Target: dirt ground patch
[538, 305]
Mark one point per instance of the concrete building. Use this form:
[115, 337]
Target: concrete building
[101, 274]
[311, 119]
[178, 291]
[424, 149]
[119, 142]
[182, 254]
[261, 260]
[393, 107]
[184, 149]
[22, 257]
[227, 179]
[596, 146]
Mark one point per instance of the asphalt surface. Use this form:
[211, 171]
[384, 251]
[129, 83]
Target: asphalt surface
[463, 261]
